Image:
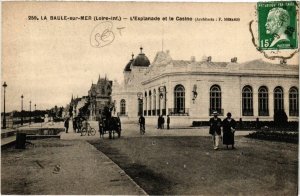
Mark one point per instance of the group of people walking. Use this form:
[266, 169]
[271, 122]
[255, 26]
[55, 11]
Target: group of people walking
[228, 125]
[161, 122]
[77, 123]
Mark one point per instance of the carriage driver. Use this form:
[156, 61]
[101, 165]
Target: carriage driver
[107, 114]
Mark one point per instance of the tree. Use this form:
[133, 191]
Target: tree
[60, 112]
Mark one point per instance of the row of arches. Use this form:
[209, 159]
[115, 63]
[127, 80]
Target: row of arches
[150, 101]
[154, 103]
[263, 100]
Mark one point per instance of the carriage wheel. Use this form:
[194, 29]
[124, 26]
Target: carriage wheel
[93, 131]
[83, 131]
[110, 136]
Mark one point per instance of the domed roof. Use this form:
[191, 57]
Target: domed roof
[127, 67]
[141, 60]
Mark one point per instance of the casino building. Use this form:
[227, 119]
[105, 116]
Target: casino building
[190, 90]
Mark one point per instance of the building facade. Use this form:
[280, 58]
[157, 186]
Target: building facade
[190, 90]
[99, 96]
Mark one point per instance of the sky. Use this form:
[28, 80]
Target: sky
[49, 60]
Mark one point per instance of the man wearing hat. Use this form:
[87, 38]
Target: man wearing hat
[215, 124]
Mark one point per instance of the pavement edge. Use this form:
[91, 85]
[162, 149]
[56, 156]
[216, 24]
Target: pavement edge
[135, 184]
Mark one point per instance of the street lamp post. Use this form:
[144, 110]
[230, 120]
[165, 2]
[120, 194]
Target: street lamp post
[34, 117]
[22, 109]
[4, 119]
[30, 112]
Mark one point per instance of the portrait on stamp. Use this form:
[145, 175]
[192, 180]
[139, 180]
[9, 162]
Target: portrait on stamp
[277, 25]
[277, 22]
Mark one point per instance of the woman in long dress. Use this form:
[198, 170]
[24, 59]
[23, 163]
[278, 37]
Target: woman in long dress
[229, 125]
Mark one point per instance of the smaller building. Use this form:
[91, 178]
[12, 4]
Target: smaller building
[99, 96]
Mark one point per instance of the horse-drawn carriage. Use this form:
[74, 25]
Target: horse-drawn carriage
[111, 126]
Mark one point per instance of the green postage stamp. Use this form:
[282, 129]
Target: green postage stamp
[277, 25]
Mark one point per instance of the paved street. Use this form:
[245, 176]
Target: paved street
[175, 161]
[188, 165]
[62, 167]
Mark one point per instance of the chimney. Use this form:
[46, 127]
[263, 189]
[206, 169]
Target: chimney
[193, 59]
[234, 60]
[209, 59]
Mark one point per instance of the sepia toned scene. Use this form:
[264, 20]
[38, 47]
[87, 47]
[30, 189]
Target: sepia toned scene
[128, 98]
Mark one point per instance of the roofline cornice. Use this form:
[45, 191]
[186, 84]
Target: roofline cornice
[220, 73]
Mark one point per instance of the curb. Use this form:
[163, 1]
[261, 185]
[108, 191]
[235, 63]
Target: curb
[135, 184]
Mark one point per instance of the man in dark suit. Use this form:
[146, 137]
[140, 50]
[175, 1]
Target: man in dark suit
[67, 124]
[215, 124]
[142, 124]
[162, 122]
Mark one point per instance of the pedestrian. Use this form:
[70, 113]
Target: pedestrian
[79, 124]
[168, 122]
[229, 125]
[142, 124]
[107, 115]
[162, 122]
[74, 124]
[67, 124]
[159, 122]
[215, 129]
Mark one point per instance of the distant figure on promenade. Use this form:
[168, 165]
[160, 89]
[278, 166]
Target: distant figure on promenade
[162, 122]
[168, 122]
[159, 122]
[75, 124]
[229, 125]
[215, 129]
[67, 124]
[79, 123]
[142, 124]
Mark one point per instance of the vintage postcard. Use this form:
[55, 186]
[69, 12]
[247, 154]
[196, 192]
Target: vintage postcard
[149, 98]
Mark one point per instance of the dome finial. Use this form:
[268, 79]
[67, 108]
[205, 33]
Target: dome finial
[141, 48]
[132, 55]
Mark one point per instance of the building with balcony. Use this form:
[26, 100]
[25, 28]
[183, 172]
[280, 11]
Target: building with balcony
[190, 90]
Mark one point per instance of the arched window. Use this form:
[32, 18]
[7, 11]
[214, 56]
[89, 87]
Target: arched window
[154, 103]
[122, 107]
[179, 99]
[159, 103]
[140, 107]
[247, 101]
[215, 100]
[278, 99]
[263, 101]
[293, 102]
